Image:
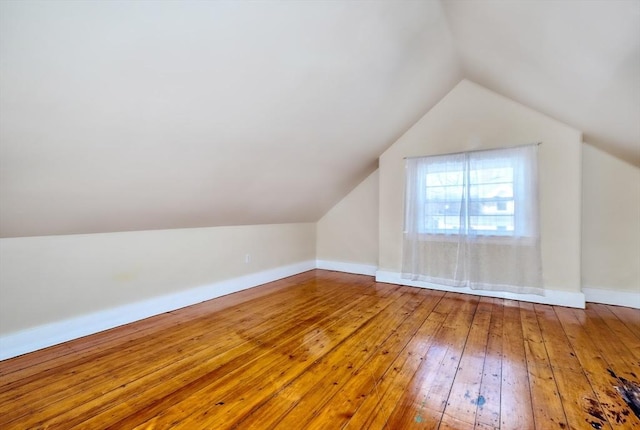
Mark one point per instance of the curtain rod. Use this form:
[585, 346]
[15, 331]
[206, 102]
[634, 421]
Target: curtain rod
[475, 150]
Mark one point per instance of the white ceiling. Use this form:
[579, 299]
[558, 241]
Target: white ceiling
[577, 61]
[120, 116]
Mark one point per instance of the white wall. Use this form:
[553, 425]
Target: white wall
[609, 217]
[49, 279]
[348, 233]
[472, 117]
[610, 223]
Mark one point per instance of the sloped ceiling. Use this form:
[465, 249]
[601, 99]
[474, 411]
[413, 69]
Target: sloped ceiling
[119, 116]
[577, 61]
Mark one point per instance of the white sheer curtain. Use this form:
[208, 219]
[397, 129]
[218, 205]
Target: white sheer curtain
[471, 220]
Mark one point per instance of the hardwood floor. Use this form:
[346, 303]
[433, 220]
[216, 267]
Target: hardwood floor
[326, 350]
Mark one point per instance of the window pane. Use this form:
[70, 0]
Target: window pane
[491, 224]
[484, 205]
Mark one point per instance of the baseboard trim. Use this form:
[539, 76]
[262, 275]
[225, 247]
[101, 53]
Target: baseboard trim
[551, 297]
[610, 297]
[338, 266]
[43, 336]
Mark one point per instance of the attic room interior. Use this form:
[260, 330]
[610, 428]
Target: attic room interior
[320, 214]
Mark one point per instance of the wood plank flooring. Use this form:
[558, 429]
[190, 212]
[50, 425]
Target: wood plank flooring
[327, 350]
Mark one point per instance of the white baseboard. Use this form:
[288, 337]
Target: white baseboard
[338, 266]
[47, 335]
[551, 297]
[610, 297]
[43, 336]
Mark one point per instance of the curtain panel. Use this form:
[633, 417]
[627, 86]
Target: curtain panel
[472, 220]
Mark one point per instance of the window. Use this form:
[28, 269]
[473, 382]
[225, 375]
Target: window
[486, 206]
[471, 220]
[481, 193]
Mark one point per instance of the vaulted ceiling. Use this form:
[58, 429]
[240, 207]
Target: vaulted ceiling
[577, 61]
[119, 116]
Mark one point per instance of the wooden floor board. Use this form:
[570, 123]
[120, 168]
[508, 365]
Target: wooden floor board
[516, 411]
[140, 328]
[374, 411]
[328, 350]
[323, 380]
[188, 376]
[602, 402]
[289, 362]
[465, 398]
[623, 333]
[545, 399]
[488, 414]
[344, 403]
[133, 364]
[120, 337]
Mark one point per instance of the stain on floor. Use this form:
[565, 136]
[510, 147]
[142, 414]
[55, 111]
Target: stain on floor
[629, 391]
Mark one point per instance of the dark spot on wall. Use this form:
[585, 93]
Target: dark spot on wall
[219, 403]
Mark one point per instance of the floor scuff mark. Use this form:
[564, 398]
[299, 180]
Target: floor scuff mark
[630, 392]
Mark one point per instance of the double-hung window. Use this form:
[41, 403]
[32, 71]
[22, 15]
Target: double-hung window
[471, 219]
[484, 193]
